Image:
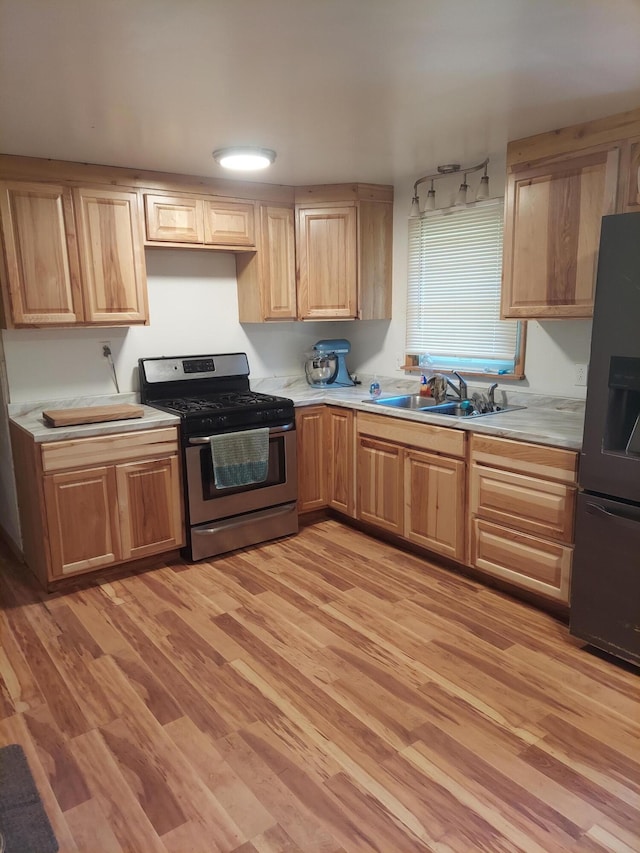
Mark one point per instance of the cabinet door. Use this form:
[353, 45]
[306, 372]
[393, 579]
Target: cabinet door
[111, 256]
[434, 502]
[82, 520]
[552, 234]
[312, 458]
[229, 224]
[43, 274]
[327, 258]
[340, 458]
[149, 506]
[278, 263]
[380, 484]
[174, 219]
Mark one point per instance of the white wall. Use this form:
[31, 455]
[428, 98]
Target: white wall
[194, 309]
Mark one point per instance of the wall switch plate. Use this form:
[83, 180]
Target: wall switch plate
[581, 374]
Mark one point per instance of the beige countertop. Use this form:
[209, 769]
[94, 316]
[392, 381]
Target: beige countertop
[28, 416]
[556, 422]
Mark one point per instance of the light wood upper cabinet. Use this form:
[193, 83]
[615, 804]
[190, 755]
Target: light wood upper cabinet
[267, 278]
[327, 241]
[344, 235]
[200, 221]
[559, 185]
[42, 284]
[111, 256]
[553, 213]
[174, 219]
[73, 257]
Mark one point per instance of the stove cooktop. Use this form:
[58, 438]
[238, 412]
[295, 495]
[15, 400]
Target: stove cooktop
[188, 406]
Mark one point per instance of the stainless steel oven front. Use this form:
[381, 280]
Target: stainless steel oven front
[225, 519]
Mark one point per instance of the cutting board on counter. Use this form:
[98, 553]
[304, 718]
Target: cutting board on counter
[92, 414]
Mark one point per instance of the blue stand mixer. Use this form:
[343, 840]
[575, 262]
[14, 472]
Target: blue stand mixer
[325, 364]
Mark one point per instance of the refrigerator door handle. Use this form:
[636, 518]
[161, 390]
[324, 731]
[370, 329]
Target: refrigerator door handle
[596, 509]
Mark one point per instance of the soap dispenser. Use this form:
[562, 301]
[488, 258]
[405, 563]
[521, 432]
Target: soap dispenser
[374, 388]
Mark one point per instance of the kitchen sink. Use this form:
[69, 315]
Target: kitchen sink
[450, 408]
[406, 401]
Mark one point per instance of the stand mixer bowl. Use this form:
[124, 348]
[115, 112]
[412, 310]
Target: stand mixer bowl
[321, 368]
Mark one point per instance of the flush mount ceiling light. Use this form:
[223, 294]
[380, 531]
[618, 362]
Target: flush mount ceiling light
[244, 158]
[462, 196]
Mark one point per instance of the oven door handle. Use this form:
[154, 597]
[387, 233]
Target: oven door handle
[279, 430]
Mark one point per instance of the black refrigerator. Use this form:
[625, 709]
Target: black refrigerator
[605, 584]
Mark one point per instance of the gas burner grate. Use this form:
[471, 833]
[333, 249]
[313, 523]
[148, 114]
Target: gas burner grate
[231, 400]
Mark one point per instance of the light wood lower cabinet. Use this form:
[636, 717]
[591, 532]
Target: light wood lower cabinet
[312, 458]
[325, 445]
[536, 564]
[341, 472]
[521, 513]
[380, 479]
[434, 502]
[409, 486]
[94, 502]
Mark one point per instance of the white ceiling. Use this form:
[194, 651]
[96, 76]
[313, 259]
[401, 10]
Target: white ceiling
[369, 90]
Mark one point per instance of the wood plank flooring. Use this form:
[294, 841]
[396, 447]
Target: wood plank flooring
[321, 693]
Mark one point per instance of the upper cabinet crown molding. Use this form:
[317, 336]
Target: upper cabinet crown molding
[559, 185]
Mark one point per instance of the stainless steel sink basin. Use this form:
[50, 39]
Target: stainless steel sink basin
[405, 401]
[452, 408]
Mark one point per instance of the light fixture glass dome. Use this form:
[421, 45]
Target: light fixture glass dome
[244, 158]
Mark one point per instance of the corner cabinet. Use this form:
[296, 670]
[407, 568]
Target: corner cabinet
[344, 236]
[326, 459]
[125, 488]
[73, 256]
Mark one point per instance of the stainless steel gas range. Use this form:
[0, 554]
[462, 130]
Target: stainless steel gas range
[212, 396]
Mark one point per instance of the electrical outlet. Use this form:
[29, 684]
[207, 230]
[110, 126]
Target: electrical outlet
[105, 348]
[399, 361]
[581, 374]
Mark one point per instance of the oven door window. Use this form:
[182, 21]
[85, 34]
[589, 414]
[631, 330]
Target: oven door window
[276, 472]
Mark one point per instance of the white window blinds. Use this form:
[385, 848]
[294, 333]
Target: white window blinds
[453, 304]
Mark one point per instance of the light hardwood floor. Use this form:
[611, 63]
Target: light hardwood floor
[322, 693]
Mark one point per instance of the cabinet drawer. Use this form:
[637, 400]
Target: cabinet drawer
[104, 449]
[552, 463]
[535, 564]
[421, 435]
[526, 503]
